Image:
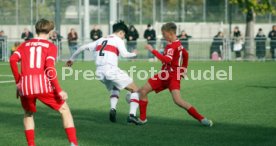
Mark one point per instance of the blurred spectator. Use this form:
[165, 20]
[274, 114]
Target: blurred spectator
[14, 47]
[2, 33]
[260, 44]
[96, 33]
[150, 35]
[72, 40]
[131, 38]
[184, 38]
[27, 35]
[272, 36]
[163, 45]
[217, 46]
[56, 39]
[237, 42]
[3, 43]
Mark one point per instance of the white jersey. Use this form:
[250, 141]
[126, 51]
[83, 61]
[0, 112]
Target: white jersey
[107, 50]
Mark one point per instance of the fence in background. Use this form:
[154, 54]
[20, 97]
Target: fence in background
[199, 49]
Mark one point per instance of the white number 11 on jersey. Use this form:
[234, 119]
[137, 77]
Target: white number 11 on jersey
[34, 50]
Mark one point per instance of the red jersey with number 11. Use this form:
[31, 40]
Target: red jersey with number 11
[38, 74]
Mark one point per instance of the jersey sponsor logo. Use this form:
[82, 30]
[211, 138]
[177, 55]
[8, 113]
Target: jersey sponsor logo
[35, 44]
[170, 52]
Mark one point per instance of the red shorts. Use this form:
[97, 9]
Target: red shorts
[161, 81]
[52, 100]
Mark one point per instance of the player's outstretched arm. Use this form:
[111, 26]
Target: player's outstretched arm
[165, 59]
[89, 46]
[123, 51]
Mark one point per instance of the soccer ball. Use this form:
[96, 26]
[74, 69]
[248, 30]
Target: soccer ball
[128, 97]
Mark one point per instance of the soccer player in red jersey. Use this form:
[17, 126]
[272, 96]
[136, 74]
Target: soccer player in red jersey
[175, 62]
[37, 80]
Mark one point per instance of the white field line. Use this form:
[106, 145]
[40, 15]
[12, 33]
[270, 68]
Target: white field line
[3, 82]
[6, 75]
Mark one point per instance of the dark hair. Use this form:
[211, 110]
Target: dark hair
[44, 26]
[120, 26]
[171, 27]
[149, 25]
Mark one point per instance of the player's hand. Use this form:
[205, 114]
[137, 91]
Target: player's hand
[184, 74]
[63, 95]
[18, 90]
[135, 51]
[69, 63]
[149, 47]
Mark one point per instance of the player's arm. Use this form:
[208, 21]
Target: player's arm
[185, 55]
[185, 61]
[15, 57]
[50, 69]
[163, 58]
[123, 51]
[90, 46]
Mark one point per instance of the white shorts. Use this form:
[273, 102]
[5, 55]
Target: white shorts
[112, 76]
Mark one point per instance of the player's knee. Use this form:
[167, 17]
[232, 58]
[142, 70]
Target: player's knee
[29, 113]
[63, 108]
[134, 96]
[132, 88]
[114, 93]
[142, 93]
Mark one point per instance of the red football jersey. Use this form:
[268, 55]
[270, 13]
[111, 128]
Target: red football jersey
[174, 56]
[37, 56]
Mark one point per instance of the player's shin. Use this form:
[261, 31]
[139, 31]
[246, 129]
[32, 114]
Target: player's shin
[29, 128]
[71, 135]
[30, 136]
[143, 109]
[134, 103]
[194, 113]
[68, 123]
[114, 97]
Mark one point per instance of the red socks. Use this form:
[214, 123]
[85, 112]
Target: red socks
[71, 135]
[30, 135]
[143, 109]
[193, 112]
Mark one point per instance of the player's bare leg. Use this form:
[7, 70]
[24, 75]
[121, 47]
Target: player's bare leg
[134, 103]
[29, 127]
[189, 108]
[68, 124]
[144, 91]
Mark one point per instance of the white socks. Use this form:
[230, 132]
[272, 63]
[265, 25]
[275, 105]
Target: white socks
[113, 101]
[134, 103]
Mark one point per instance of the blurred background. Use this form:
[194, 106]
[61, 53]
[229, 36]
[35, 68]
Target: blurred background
[201, 20]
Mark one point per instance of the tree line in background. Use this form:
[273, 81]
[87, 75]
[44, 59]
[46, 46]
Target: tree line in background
[129, 10]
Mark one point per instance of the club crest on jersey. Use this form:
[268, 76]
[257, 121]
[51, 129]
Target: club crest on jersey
[170, 52]
[180, 48]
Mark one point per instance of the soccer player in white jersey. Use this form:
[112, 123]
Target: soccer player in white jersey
[107, 51]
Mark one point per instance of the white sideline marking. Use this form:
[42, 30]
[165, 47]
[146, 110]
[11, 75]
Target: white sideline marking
[6, 75]
[2, 82]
